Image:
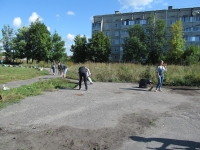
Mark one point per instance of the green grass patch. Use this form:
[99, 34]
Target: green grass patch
[129, 72]
[14, 95]
[8, 74]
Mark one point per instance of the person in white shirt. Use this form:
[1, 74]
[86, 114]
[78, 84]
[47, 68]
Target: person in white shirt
[88, 75]
[160, 73]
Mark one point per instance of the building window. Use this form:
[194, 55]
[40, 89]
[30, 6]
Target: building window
[116, 49]
[197, 38]
[124, 31]
[197, 28]
[143, 21]
[137, 21]
[116, 41]
[107, 33]
[115, 57]
[173, 21]
[131, 22]
[125, 22]
[107, 26]
[96, 24]
[190, 39]
[196, 18]
[116, 25]
[187, 29]
[116, 33]
[185, 19]
[122, 40]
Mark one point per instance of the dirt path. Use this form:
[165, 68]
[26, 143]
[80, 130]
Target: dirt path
[107, 116]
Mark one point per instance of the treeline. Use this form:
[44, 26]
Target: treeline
[33, 43]
[150, 45]
[146, 45]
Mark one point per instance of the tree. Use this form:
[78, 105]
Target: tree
[191, 55]
[134, 46]
[156, 39]
[58, 47]
[79, 49]
[39, 42]
[20, 41]
[176, 43]
[99, 48]
[8, 34]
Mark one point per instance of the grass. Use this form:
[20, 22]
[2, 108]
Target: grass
[14, 95]
[129, 72]
[101, 72]
[8, 74]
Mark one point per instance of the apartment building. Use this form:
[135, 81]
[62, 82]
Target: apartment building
[115, 25]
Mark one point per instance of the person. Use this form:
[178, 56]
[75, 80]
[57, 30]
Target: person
[161, 68]
[82, 75]
[60, 70]
[64, 68]
[53, 66]
[88, 75]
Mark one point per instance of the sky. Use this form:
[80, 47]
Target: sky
[70, 18]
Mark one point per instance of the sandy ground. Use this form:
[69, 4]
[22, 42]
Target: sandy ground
[108, 116]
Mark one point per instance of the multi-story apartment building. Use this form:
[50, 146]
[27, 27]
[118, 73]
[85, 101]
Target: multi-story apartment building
[115, 25]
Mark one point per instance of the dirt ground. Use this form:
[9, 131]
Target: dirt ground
[49, 136]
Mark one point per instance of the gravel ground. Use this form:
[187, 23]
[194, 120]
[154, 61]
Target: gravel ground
[110, 116]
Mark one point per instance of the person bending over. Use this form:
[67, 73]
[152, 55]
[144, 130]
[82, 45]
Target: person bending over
[82, 75]
[64, 69]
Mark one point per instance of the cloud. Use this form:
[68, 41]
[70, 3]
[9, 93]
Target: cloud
[34, 17]
[48, 28]
[58, 16]
[91, 18]
[70, 37]
[158, 1]
[165, 4]
[135, 4]
[70, 13]
[17, 22]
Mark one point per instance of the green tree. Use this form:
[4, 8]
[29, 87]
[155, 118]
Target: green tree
[191, 55]
[79, 49]
[58, 47]
[156, 39]
[1, 47]
[176, 43]
[99, 48]
[134, 46]
[19, 42]
[8, 34]
[39, 42]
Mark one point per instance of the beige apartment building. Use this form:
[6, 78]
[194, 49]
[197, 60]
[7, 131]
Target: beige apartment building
[115, 25]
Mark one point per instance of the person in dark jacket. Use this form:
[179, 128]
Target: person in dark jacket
[63, 67]
[82, 75]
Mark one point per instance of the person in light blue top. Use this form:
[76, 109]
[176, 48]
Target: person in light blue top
[161, 68]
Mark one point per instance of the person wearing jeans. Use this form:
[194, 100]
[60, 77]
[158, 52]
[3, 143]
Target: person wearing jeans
[82, 75]
[160, 73]
[53, 66]
[64, 68]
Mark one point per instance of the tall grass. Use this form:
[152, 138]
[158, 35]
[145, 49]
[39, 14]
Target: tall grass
[128, 72]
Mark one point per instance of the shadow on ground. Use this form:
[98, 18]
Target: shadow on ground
[177, 144]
